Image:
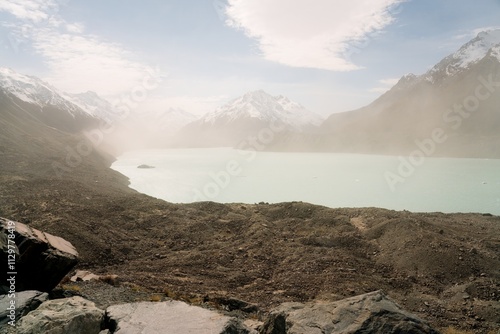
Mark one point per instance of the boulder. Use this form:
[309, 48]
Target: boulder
[41, 259]
[170, 317]
[372, 313]
[24, 302]
[73, 315]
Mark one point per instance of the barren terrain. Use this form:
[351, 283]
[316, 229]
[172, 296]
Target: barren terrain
[443, 267]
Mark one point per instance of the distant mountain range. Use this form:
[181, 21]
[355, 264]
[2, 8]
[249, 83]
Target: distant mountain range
[456, 105]
[174, 119]
[261, 106]
[246, 116]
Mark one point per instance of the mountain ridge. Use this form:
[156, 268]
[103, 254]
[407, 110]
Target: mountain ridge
[265, 107]
[248, 116]
[418, 104]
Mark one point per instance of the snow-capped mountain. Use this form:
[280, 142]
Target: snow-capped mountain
[261, 106]
[35, 91]
[459, 95]
[92, 104]
[174, 119]
[32, 90]
[246, 117]
[485, 44]
[470, 53]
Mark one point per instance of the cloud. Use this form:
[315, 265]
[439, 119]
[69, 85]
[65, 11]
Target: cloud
[473, 33]
[386, 84]
[84, 62]
[76, 28]
[298, 33]
[33, 10]
[76, 61]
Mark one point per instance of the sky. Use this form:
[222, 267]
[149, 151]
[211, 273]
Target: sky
[329, 55]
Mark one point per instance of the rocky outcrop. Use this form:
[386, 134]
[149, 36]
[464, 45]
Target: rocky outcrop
[372, 313]
[40, 259]
[24, 302]
[171, 317]
[73, 315]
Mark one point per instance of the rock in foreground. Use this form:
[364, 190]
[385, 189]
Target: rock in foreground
[41, 260]
[171, 317]
[372, 313]
[63, 316]
[25, 302]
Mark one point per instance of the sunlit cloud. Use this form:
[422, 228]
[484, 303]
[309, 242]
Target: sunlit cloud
[76, 61]
[32, 10]
[76, 28]
[318, 35]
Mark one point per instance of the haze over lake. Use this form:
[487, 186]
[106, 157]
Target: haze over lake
[335, 180]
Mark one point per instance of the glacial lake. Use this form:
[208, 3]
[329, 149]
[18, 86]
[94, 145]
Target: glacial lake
[226, 175]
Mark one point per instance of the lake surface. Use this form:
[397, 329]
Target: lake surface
[335, 180]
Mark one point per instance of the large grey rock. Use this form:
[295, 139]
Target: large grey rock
[24, 302]
[372, 313]
[73, 315]
[41, 259]
[170, 317]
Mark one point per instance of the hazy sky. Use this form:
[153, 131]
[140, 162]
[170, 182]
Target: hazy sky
[329, 55]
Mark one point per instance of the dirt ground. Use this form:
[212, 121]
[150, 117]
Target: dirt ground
[443, 267]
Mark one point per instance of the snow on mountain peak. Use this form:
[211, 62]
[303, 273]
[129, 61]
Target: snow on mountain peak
[265, 107]
[483, 44]
[92, 104]
[32, 90]
[477, 48]
[175, 119]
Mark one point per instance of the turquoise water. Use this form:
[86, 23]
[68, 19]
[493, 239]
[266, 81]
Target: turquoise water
[336, 180]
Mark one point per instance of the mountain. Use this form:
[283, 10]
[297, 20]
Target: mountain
[93, 105]
[32, 90]
[459, 97]
[264, 107]
[247, 116]
[25, 96]
[174, 119]
[41, 131]
[468, 55]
